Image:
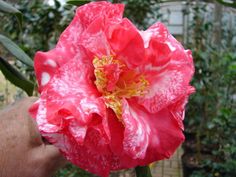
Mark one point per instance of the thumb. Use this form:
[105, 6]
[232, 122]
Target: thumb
[54, 156]
[47, 159]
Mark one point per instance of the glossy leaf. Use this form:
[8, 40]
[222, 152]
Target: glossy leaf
[15, 77]
[16, 51]
[227, 3]
[7, 8]
[78, 2]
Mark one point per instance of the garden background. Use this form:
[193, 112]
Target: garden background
[208, 28]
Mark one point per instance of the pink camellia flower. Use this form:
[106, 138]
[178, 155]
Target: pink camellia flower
[112, 96]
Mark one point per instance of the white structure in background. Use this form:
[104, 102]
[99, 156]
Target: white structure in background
[51, 2]
[177, 22]
[173, 17]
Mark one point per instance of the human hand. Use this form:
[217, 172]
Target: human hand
[22, 150]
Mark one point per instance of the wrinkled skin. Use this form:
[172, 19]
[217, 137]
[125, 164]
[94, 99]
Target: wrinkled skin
[141, 125]
[22, 151]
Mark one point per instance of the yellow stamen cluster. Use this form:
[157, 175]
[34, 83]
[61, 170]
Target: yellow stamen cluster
[114, 102]
[129, 84]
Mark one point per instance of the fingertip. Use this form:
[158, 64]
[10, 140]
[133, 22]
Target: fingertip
[53, 152]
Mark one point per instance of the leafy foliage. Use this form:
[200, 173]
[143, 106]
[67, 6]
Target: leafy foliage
[72, 171]
[140, 12]
[43, 24]
[7, 8]
[16, 51]
[10, 72]
[211, 112]
[15, 77]
[227, 3]
[77, 2]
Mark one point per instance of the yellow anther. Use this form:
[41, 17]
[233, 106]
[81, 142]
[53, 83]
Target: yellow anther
[130, 84]
[114, 103]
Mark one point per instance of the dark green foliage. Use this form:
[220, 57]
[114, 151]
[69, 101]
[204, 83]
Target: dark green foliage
[42, 25]
[228, 3]
[72, 171]
[211, 110]
[15, 77]
[77, 2]
[140, 12]
[10, 72]
[7, 8]
[16, 51]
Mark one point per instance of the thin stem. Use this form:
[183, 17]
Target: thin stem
[116, 1]
[143, 171]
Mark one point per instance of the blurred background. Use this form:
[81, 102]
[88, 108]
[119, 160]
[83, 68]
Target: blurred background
[208, 28]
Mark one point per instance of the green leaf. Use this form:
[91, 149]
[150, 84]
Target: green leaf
[16, 51]
[143, 171]
[15, 77]
[232, 66]
[7, 8]
[78, 2]
[228, 3]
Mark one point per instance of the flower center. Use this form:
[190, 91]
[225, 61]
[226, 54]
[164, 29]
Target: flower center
[115, 81]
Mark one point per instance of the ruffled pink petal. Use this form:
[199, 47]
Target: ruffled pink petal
[94, 38]
[93, 155]
[88, 21]
[72, 115]
[47, 63]
[178, 108]
[94, 23]
[148, 137]
[91, 11]
[70, 95]
[137, 131]
[169, 69]
[112, 72]
[141, 139]
[126, 42]
[118, 37]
